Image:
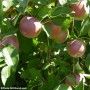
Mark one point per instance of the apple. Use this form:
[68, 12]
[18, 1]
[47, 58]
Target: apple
[30, 27]
[10, 40]
[57, 34]
[76, 48]
[74, 79]
[80, 10]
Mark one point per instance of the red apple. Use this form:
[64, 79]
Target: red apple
[30, 27]
[76, 48]
[80, 10]
[57, 34]
[73, 79]
[10, 40]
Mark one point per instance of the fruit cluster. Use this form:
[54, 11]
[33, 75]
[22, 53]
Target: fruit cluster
[30, 27]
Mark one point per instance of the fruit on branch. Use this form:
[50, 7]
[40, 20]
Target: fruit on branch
[74, 79]
[10, 40]
[30, 27]
[80, 10]
[76, 48]
[57, 34]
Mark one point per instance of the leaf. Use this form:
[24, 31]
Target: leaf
[25, 74]
[60, 10]
[63, 87]
[80, 86]
[26, 44]
[7, 4]
[35, 74]
[47, 30]
[34, 63]
[11, 56]
[2, 63]
[87, 62]
[85, 27]
[87, 75]
[40, 1]
[6, 74]
[78, 68]
[73, 1]
[62, 2]
[16, 19]
[62, 21]
[1, 9]
[46, 66]
[43, 11]
[52, 82]
[24, 3]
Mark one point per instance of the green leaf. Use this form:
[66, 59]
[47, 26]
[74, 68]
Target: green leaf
[47, 30]
[87, 75]
[16, 19]
[78, 68]
[63, 87]
[33, 63]
[11, 56]
[72, 1]
[40, 1]
[62, 21]
[62, 2]
[52, 82]
[7, 76]
[7, 4]
[60, 10]
[71, 78]
[80, 86]
[1, 9]
[24, 3]
[26, 44]
[46, 66]
[25, 74]
[85, 27]
[35, 74]
[87, 62]
[43, 11]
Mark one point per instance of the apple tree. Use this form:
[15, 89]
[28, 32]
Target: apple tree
[45, 44]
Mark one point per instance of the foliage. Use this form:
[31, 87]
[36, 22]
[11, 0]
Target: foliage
[41, 63]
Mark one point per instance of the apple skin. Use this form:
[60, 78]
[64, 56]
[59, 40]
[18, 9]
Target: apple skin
[76, 48]
[10, 40]
[30, 27]
[76, 79]
[57, 34]
[80, 9]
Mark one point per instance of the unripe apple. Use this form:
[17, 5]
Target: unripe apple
[76, 48]
[74, 79]
[10, 40]
[57, 34]
[30, 27]
[80, 10]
